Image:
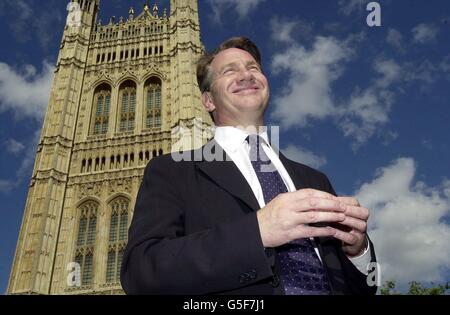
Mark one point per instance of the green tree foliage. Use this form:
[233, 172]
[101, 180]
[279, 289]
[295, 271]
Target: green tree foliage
[416, 288]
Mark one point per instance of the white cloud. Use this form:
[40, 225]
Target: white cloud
[310, 75]
[445, 65]
[347, 7]
[13, 146]
[308, 92]
[389, 137]
[395, 38]
[25, 92]
[406, 224]
[23, 14]
[423, 71]
[390, 71]
[334, 28]
[24, 170]
[425, 33]
[282, 29]
[26, 166]
[6, 186]
[241, 7]
[41, 19]
[304, 156]
[369, 109]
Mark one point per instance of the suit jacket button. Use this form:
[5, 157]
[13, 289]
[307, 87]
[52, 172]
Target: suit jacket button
[243, 277]
[253, 274]
[275, 281]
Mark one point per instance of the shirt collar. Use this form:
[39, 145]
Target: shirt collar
[231, 138]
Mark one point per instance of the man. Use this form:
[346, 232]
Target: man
[235, 225]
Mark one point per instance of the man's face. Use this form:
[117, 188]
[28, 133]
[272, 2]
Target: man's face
[239, 89]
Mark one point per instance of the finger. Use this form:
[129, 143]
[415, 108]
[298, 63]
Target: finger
[346, 237]
[349, 200]
[309, 192]
[356, 224]
[318, 204]
[305, 231]
[357, 212]
[309, 217]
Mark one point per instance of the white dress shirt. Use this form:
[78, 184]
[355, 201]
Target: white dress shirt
[233, 141]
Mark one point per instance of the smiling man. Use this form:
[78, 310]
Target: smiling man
[234, 225]
[235, 102]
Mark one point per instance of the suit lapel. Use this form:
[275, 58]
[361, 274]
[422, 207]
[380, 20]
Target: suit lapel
[227, 175]
[293, 173]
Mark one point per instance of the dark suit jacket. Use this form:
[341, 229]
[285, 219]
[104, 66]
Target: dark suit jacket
[195, 231]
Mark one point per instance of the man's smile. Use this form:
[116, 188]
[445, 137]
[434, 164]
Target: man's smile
[245, 90]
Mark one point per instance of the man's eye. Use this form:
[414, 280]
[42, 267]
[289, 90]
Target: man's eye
[255, 68]
[228, 71]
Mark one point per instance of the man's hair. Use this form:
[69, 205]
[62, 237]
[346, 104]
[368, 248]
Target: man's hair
[204, 73]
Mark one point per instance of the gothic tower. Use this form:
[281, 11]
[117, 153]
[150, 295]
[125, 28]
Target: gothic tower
[123, 92]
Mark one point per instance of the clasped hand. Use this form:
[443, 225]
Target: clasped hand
[310, 213]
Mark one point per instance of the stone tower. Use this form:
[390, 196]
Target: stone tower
[123, 92]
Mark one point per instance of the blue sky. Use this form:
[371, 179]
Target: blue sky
[369, 106]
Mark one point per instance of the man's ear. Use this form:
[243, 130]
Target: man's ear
[208, 102]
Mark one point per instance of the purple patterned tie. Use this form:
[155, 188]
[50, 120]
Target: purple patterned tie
[301, 270]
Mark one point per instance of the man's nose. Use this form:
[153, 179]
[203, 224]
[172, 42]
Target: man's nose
[245, 75]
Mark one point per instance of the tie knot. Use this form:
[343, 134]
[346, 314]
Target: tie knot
[256, 151]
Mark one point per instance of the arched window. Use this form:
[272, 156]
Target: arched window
[118, 161]
[97, 164]
[153, 103]
[125, 160]
[127, 106]
[117, 238]
[83, 165]
[102, 104]
[87, 230]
